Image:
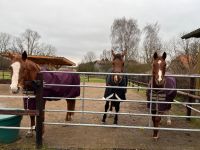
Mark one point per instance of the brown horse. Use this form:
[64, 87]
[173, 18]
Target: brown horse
[115, 80]
[25, 70]
[160, 81]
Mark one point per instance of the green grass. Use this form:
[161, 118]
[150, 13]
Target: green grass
[93, 79]
[5, 75]
[139, 91]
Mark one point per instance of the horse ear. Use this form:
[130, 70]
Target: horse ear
[164, 55]
[24, 55]
[113, 53]
[155, 55]
[10, 55]
[124, 53]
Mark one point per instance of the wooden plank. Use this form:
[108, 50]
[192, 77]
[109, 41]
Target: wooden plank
[19, 112]
[188, 94]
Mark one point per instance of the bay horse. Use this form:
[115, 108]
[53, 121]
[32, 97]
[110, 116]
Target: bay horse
[159, 80]
[26, 70]
[115, 80]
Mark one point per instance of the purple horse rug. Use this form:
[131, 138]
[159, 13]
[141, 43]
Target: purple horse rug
[163, 95]
[57, 91]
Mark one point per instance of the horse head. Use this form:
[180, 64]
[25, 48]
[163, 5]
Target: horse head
[158, 70]
[118, 65]
[22, 70]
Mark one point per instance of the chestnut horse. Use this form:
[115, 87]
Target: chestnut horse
[160, 81]
[115, 80]
[25, 70]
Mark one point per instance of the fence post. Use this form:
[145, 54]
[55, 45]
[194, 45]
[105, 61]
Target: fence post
[40, 108]
[190, 99]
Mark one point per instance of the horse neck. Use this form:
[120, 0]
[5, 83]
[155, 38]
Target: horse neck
[33, 68]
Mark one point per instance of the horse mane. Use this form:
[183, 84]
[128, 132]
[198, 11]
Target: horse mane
[35, 65]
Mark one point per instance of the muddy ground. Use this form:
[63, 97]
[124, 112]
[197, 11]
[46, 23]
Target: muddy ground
[77, 137]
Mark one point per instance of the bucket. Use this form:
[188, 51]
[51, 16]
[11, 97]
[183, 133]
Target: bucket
[9, 135]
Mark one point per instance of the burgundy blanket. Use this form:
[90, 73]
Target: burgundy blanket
[57, 91]
[169, 95]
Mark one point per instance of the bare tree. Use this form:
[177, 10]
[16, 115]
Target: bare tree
[46, 50]
[125, 34]
[31, 39]
[17, 45]
[106, 55]
[171, 48]
[189, 48]
[89, 57]
[4, 41]
[151, 41]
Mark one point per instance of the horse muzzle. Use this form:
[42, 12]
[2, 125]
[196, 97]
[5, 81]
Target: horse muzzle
[160, 83]
[15, 90]
[117, 79]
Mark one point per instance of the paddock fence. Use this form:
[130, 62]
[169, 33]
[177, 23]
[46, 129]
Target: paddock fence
[40, 104]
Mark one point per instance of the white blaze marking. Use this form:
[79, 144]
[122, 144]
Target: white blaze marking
[15, 77]
[159, 62]
[115, 78]
[159, 72]
[159, 75]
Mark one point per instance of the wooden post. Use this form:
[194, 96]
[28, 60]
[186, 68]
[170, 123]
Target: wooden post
[40, 107]
[190, 99]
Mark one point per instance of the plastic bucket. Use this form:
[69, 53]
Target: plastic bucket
[9, 135]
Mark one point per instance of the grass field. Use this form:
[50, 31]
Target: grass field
[4, 75]
[93, 79]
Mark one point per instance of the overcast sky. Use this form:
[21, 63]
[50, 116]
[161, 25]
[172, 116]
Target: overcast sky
[75, 27]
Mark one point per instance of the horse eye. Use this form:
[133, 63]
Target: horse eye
[10, 68]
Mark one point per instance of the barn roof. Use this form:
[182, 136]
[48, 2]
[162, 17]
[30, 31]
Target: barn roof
[58, 61]
[195, 33]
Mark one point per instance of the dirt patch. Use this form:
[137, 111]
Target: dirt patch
[78, 137]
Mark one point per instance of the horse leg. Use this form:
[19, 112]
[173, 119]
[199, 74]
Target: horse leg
[30, 132]
[169, 122]
[156, 120]
[110, 109]
[106, 109]
[117, 107]
[70, 107]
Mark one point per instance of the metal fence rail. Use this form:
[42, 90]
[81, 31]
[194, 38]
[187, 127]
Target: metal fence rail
[129, 114]
[83, 99]
[121, 126]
